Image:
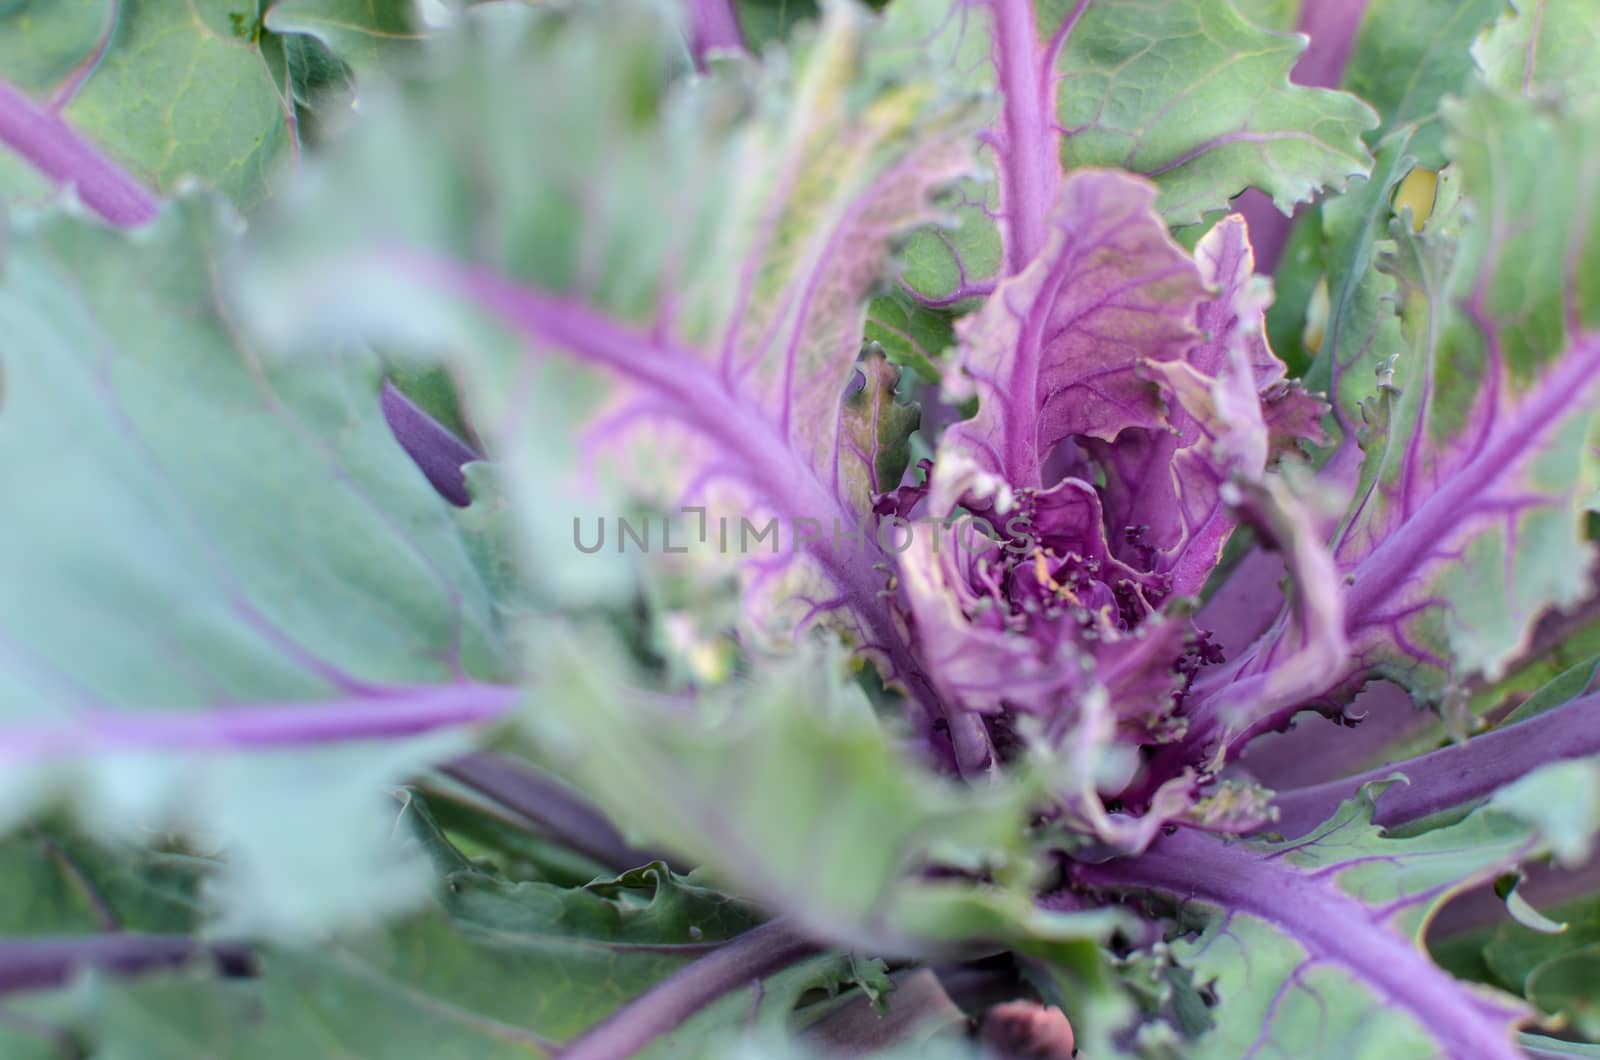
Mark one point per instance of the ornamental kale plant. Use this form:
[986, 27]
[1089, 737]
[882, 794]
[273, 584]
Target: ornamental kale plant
[973, 528]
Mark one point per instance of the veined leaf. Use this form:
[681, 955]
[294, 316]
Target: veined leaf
[792, 791]
[208, 89]
[1313, 946]
[260, 568]
[1468, 520]
[700, 256]
[1542, 48]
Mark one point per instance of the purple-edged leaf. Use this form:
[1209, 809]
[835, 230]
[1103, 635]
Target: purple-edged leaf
[1185, 92]
[698, 253]
[215, 569]
[1057, 350]
[1543, 48]
[1467, 523]
[1314, 947]
[1229, 409]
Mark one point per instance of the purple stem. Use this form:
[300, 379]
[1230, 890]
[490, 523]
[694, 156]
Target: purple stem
[1029, 154]
[702, 401]
[41, 962]
[713, 26]
[1457, 775]
[550, 804]
[387, 715]
[664, 1007]
[1330, 926]
[440, 455]
[1411, 546]
[1332, 26]
[40, 136]
[1246, 604]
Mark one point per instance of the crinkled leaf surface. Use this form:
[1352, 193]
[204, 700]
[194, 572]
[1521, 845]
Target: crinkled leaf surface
[1313, 947]
[257, 564]
[1057, 351]
[697, 255]
[205, 89]
[1485, 427]
[790, 789]
[494, 968]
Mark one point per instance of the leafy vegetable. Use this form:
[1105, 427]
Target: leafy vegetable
[736, 529]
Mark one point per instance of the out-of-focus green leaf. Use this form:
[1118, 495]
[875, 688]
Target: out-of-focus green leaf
[1409, 55]
[787, 787]
[361, 33]
[729, 231]
[57, 882]
[43, 43]
[229, 534]
[1543, 48]
[497, 968]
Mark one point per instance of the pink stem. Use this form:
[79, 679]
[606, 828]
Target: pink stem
[713, 26]
[388, 715]
[40, 136]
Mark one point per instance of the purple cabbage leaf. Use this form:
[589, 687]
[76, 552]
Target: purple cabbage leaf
[1319, 939]
[1479, 461]
[1092, 84]
[1007, 720]
[709, 295]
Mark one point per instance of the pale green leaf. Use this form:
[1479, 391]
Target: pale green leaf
[1197, 98]
[1543, 48]
[1408, 56]
[226, 533]
[1490, 398]
[791, 790]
